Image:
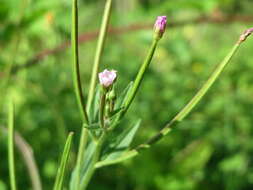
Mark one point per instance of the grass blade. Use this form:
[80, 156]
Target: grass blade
[61, 170]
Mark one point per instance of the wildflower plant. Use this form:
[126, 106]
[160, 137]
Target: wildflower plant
[100, 145]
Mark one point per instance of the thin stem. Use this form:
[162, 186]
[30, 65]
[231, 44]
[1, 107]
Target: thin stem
[80, 156]
[95, 159]
[193, 102]
[99, 51]
[11, 146]
[78, 89]
[137, 82]
[76, 70]
[140, 76]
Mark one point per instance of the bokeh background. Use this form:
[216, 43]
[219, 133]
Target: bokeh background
[211, 149]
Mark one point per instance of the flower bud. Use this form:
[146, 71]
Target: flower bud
[245, 34]
[107, 78]
[160, 26]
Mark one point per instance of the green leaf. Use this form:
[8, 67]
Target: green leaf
[61, 170]
[123, 96]
[122, 143]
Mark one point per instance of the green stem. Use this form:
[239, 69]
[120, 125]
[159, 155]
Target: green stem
[80, 155]
[76, 69]
[185, 111]
[11, 146]
[78, 89]
[193, 102]
[95, 159]
[140, 76]
[137, 82]
[99, 51]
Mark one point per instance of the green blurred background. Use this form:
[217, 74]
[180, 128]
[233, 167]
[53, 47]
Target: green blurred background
[211, 149]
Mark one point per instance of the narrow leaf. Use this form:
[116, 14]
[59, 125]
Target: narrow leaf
[124, 156]
[84, 165]
[122, 143]
[123, 96]
[61, 170]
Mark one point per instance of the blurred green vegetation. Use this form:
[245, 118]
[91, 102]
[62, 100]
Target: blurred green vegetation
[211, 149]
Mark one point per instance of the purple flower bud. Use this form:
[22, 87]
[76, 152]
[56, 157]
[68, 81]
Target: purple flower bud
[245, 34]
[160, 26]
[107, 78]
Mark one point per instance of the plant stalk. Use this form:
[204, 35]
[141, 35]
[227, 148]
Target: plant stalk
[137, 82]
[78, 89]
[95, 159]
[140, 77]
[80, 155]
[76, 69]
[99, 51]
[186, 109]
[193, 102]
[11, 146]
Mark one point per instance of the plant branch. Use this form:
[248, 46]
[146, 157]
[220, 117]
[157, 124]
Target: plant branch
[188, 108]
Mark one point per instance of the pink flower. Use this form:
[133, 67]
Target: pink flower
[107, 78]
[160, 25]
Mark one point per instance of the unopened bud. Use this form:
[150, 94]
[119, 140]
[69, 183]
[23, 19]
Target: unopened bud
[160, 26]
